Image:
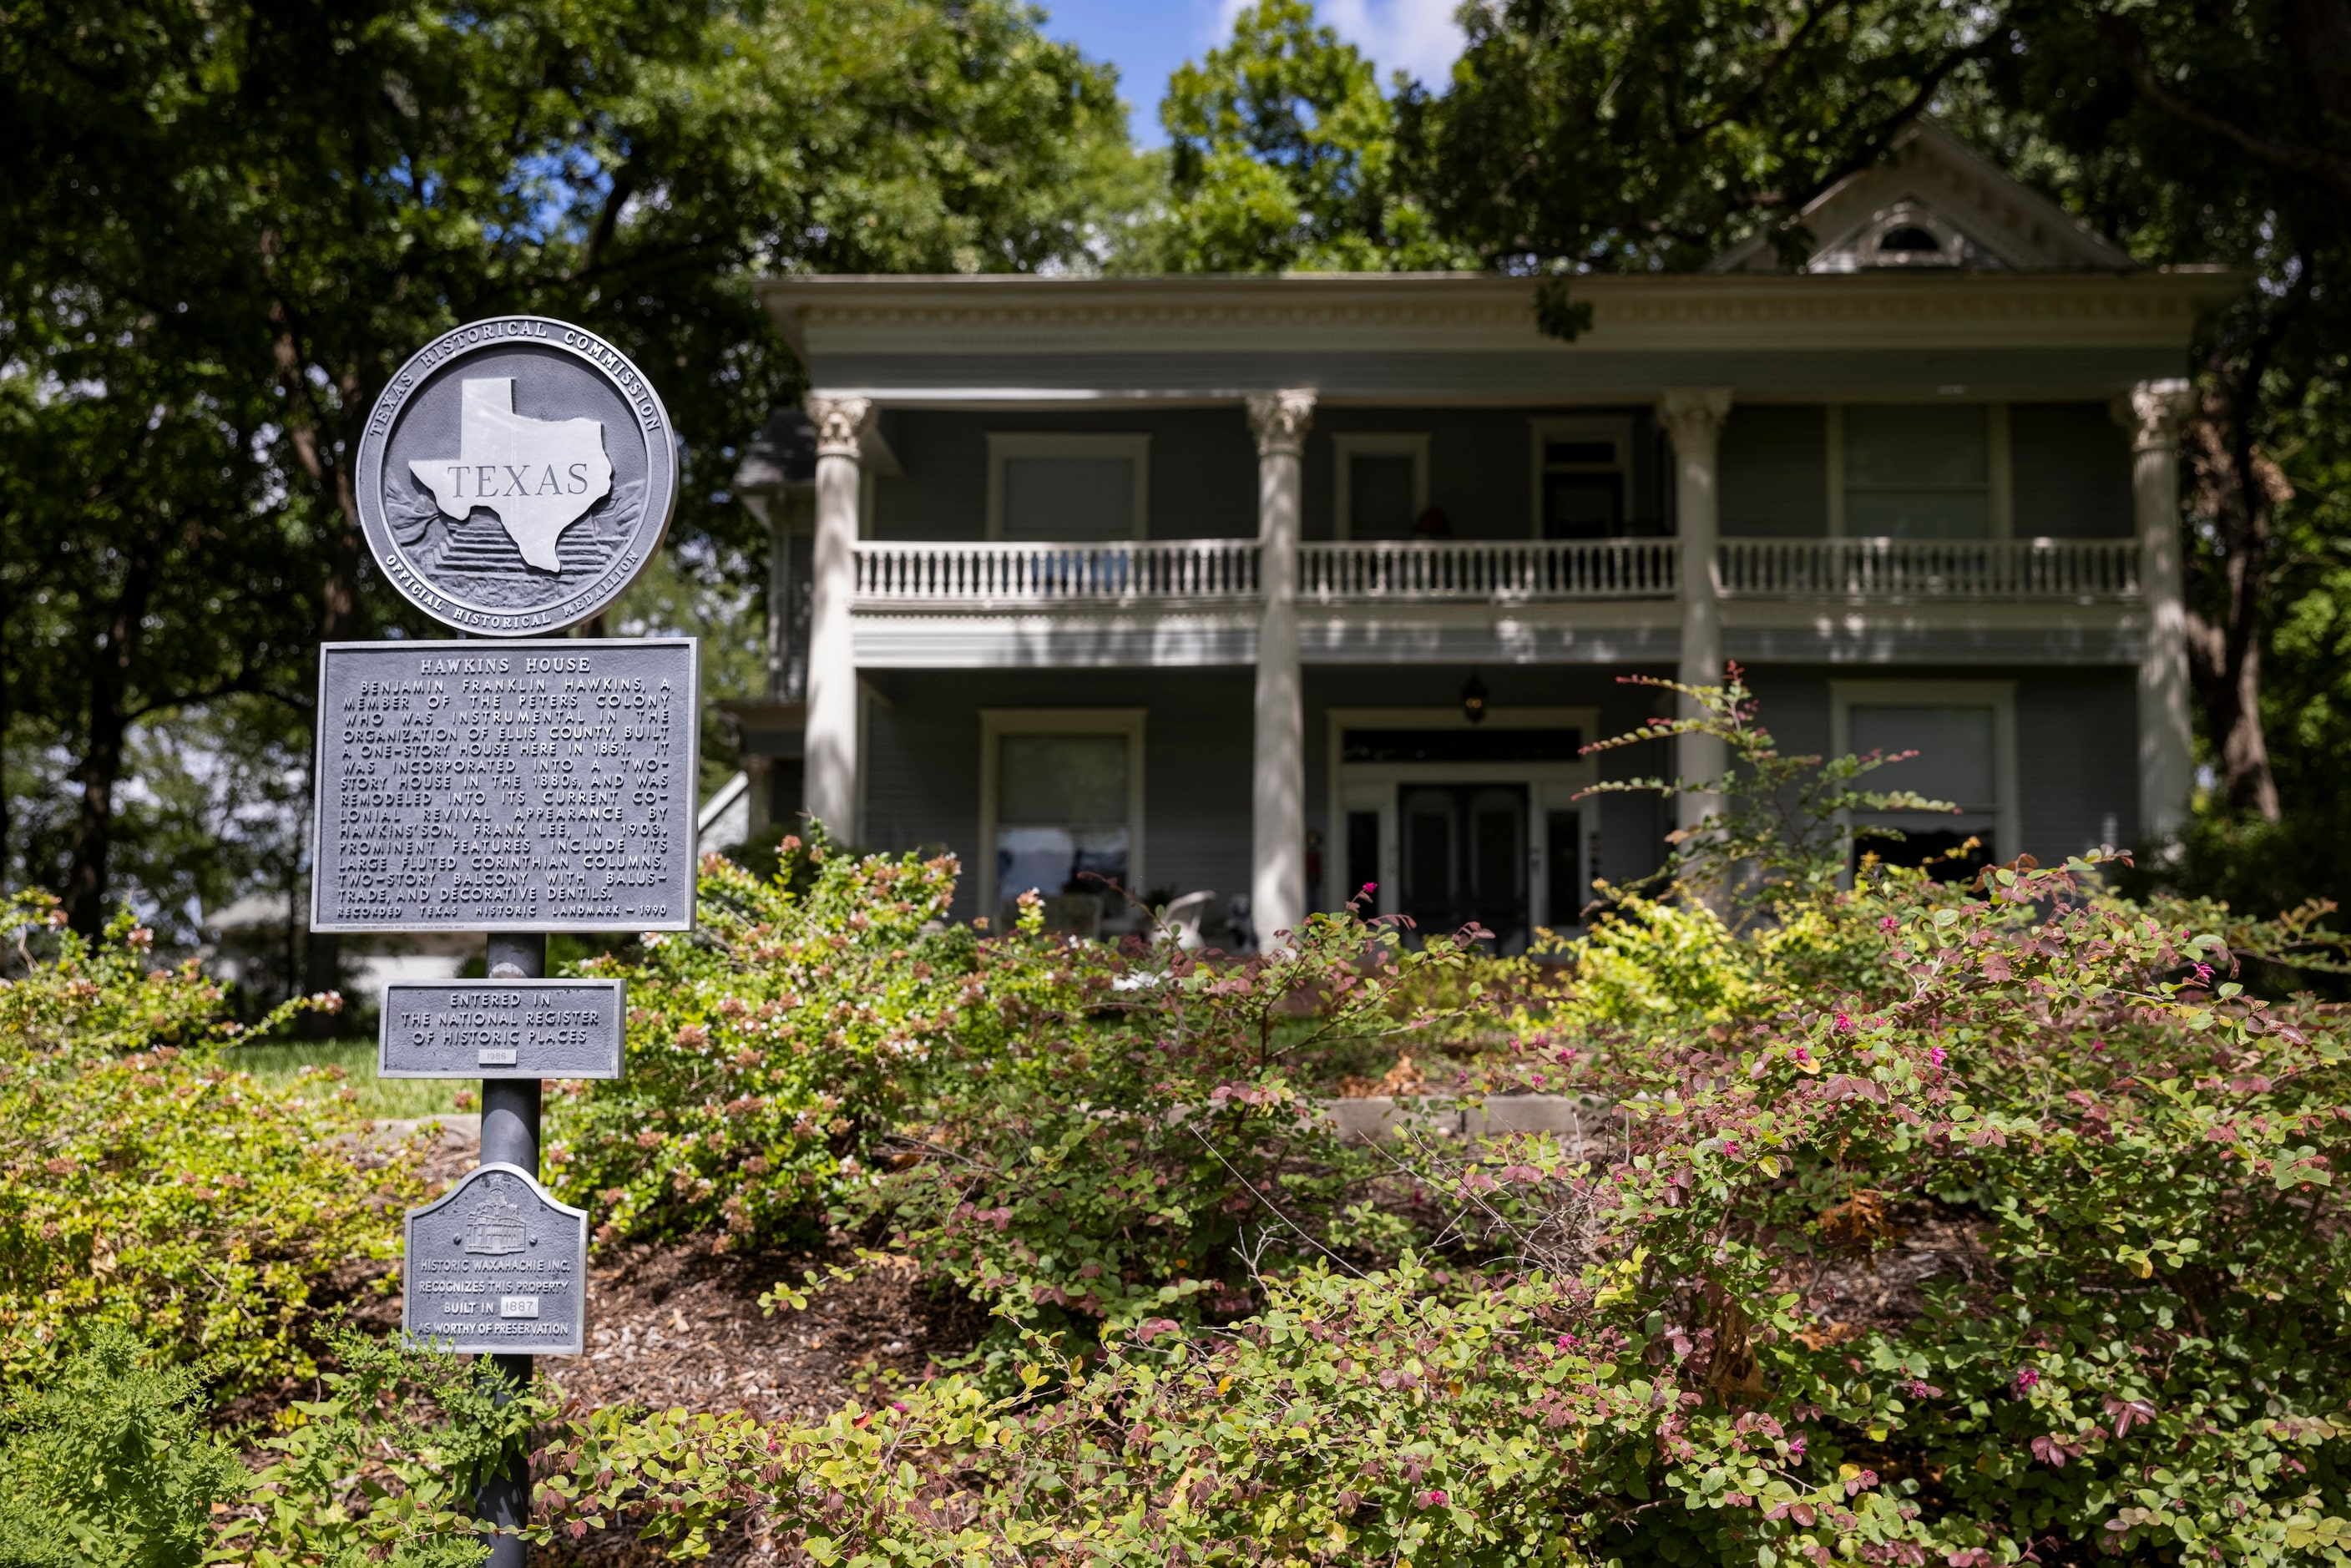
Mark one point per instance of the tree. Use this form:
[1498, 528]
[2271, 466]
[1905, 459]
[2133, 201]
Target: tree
[296, 197]
[1283, 153]
[1626, 135]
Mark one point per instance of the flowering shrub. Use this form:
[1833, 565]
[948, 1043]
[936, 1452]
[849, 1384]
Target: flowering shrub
[146, 1183]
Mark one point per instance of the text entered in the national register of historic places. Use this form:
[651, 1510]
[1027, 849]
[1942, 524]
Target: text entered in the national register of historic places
[519, 786]
[501, 1028]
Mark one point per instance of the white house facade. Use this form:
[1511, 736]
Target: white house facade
[1278, 586]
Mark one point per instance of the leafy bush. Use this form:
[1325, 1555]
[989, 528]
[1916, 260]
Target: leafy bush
[109, 1466]
[146, 1184]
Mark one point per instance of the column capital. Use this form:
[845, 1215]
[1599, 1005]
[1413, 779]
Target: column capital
[2153, 412]
[1279, 421]
[840, 422]
[1693, 416]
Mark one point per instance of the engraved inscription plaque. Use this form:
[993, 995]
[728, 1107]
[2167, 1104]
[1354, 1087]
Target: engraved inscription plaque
[545, 786]
[496, 1264]
[515, 476]
[501, 1028]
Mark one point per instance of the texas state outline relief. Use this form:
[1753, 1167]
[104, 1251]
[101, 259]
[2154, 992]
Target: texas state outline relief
[538, 476]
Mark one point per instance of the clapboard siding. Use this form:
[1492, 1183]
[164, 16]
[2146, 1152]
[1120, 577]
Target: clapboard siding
[1775, 477]
[2072, 471]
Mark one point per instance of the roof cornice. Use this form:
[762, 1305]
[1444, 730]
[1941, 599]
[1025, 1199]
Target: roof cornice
[1019, 314]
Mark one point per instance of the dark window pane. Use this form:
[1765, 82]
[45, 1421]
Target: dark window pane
[1363, 853]
[1379, 497]
[1583, 506]
[1933, 848]
[1565, 887]
[1597, 454]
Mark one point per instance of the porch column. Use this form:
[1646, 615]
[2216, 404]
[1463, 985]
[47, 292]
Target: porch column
[830, 733]
[2167, 769]
[1277, 773]
[1693, 418]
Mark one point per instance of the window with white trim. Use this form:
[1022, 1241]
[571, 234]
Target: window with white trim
[1381, 484]
[1582, 477]
[1963, 738]
[1070, 488]
[1062, 796]
[1920, 471]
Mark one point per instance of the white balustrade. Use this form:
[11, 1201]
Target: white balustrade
[1487, 571]
[1986, 569]
[965, 575]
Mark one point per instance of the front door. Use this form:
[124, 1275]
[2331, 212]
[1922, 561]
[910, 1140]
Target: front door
[1464, 858]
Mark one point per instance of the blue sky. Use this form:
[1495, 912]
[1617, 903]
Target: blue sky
[1147, 40]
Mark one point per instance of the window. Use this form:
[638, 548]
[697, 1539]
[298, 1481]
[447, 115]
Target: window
[1582, 472]
[1074, 488]
[1060, 801]
[1381, 484]
[1964, 734]
[1933, 471]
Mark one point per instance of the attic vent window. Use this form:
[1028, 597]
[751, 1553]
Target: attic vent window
[1910, 237]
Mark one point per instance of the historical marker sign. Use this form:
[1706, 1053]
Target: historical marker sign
[515, 476]
[501, 1028]
[545, 785]
[497, 1265]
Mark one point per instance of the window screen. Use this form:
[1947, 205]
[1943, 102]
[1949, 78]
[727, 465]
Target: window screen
[1073, 499]
[1918, 471]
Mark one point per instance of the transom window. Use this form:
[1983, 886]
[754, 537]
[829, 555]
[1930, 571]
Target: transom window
[1067, 487]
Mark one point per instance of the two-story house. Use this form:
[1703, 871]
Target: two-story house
[1277, 586]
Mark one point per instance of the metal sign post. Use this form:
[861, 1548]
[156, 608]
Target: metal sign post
[515, 478]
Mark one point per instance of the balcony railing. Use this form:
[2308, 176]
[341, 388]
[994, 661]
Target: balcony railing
[1930, 569]
[1487, 571]
[973, 576]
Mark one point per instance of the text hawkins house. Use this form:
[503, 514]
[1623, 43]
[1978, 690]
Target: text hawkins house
[1201, 582]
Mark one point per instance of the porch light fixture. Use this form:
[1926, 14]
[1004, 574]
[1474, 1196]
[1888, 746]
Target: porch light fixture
[1473, 699]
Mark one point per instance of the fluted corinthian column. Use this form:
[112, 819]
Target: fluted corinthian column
[830, 733]
[1278, 796]
[2153, 413]
[1692, 417]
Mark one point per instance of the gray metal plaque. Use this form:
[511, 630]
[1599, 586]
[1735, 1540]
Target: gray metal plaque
[496, 1264]
[501, 1028]
[545, 786]
[515, 476]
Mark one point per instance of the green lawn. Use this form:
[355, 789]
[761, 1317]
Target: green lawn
[380, 1097]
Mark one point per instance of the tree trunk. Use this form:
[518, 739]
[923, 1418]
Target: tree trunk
[2237, 487]
[322, 951]
[102, 764]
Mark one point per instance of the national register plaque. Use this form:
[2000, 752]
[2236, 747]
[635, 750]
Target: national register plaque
[501, 1028]
[511, 786]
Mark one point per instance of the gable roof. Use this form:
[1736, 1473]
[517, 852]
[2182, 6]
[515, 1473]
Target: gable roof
[1935, 202]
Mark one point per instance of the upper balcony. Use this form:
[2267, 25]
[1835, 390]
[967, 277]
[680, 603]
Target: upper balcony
[1196, 602]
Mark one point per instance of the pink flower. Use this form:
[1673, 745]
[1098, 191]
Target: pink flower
[1845, 1023]
[1802, 1055]
[1730, 1145]
[2026, 1378]
[1796, 1448]
[1432, 1498]
[1371, 886]
[1887, 923]
[1935, 1054]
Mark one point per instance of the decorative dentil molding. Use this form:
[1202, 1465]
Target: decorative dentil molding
[840, 423]
[2153, 412]
[1279, 421]
[1693, 416]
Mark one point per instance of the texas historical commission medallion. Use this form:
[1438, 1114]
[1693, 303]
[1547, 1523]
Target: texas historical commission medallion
[515, 476]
